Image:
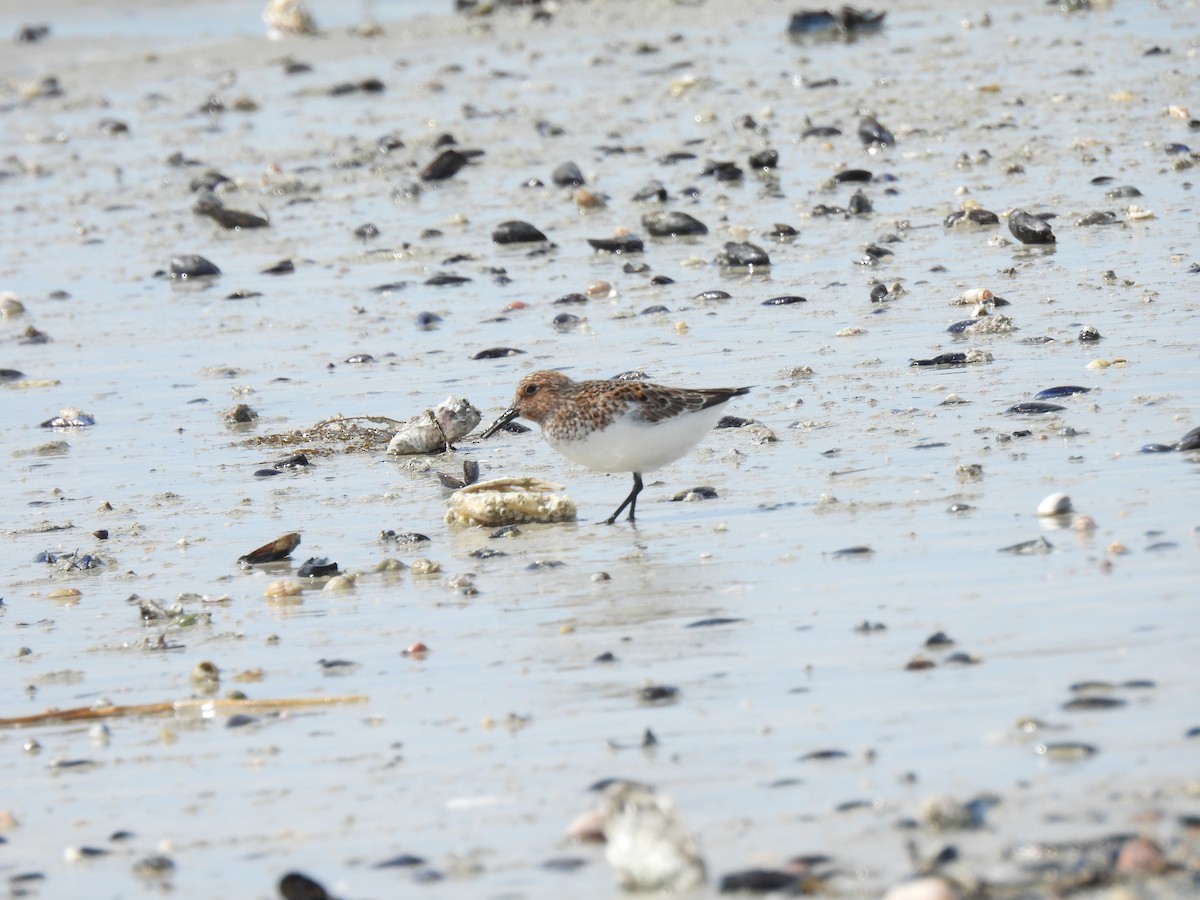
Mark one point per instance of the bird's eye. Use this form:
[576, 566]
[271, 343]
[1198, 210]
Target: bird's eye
[530, 390]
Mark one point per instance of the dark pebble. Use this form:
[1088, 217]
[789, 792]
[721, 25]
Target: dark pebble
[240, 720]
[722, 171]
[1033, 408]
[243, 295]
[1157, 448]
[486, 553]
[653, 192]
[659, 280]
[209, 181]
[404, 537]
[757, 881]
[980, 217]
[658, 694]
[283, 267]
[944, 359]
[266, 473]
[295, 461]
[100, 534]
[823, 755]
[443, 279]
[1029, 548]
[672, 224]
[541, 564]
[678, 156]
[873, 134]
[847, 552]
[657, 309]
[764, 159]
[1190, 441]
[497, 353]
[568, 175]
[1098, 218]
[10, 374]
[1091, 703]
[742, 254]
[359, 359]
[317, 567]
[939, 639]
[849, 176]
[605, 657]
[1063, 390]
[390, 288]
[1122, 192]
[787, 300]
[781, 231]
[859, 204]
[567, 299]
[447, 164]
[516, 232]
[192, 266]
[366, 86]
[427, 321]
[626, 244]
[567, 321]
[713, 295]
[845, 23]
[389, 142]
[403, 861]
[295, 886]
[732, 422]
[820, 131]
[1029, 229]
[208, 204]
[713, 622]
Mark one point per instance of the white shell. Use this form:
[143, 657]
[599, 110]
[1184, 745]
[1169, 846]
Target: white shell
[1055, 505]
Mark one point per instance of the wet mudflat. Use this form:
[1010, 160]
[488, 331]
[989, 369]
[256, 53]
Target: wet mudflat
[878, 649]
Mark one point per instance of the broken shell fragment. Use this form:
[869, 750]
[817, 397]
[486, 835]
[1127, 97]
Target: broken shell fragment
[436, 429]
[509, 501]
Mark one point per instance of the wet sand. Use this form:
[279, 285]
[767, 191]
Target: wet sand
[475, 756]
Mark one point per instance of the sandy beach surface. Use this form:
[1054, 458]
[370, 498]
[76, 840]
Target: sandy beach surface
[851, 654]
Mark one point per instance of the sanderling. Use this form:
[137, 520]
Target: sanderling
[617, 426]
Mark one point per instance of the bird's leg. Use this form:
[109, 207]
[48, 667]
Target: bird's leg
[630, 501]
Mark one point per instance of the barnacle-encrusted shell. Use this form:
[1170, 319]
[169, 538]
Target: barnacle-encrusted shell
[509, 501]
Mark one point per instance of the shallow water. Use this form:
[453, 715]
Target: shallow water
[431, 763]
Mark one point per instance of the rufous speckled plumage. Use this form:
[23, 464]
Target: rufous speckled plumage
[617, 426]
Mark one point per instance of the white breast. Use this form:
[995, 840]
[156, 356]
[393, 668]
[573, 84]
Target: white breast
[634, 445]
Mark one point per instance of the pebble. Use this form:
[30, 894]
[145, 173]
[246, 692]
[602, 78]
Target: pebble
[1029, 229]
[445, 165]
[192, 266]
[516, 232]
[742, 254]
[672, 224]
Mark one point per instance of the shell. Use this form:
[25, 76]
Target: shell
[431, 431]
[1055, 505]
[509, 501]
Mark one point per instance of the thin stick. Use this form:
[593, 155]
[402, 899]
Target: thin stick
[91, 713]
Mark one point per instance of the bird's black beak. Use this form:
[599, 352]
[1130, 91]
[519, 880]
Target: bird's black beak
[505, 417]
